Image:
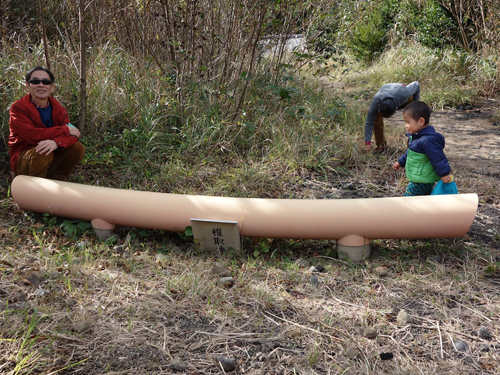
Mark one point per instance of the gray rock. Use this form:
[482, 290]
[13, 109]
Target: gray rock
[439, 258]
[160, 257]
[314, 280]
[352, 352]
[228, 364]
[370, 333]
[404, 318]
[484, 333]
[255, 364]
[81, 326]
[460, 345]
[226, 282]
[34, 280]
[40, 292]
[320, 268]
[19, 297]
[218, 270]
[295, 333]
[178, 250]
[82, 244]
[484, 348]
[382, 271]
[302, 262]
[268, 345]
[178, 365]
[104, 234]
[119, 249]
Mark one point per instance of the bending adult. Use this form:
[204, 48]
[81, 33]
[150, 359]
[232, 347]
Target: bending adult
[385, 103]
[42, 142]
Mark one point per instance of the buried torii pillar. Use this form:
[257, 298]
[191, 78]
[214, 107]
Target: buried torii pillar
[353, 222]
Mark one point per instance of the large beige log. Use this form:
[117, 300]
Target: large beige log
[351, 220]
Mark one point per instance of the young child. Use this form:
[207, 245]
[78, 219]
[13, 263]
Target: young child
[424, 161]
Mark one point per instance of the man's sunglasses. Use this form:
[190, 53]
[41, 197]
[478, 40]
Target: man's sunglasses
[46, 82]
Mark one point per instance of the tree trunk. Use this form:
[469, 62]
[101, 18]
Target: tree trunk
[44, 36]
[83, 68]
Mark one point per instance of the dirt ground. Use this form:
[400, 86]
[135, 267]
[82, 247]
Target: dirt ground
[473, 140]
[123, 311]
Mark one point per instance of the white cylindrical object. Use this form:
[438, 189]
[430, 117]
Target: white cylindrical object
[437, 216]
[353, 247]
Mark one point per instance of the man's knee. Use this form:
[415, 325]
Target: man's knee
[78, 150]
[34, 164]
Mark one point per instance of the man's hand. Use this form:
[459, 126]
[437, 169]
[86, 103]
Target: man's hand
[73, 131]
[396, 166]
[368, 147]
[46, 147]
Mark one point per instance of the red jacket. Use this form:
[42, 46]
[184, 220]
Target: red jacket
[27, 129]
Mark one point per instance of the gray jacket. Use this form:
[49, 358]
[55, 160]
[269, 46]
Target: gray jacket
[397, 91]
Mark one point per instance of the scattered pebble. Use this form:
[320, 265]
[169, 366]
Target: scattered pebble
[178, 365]
[160, 257]
[82, 244]
[119, 249]
[34, 280]
[404, 318]
[302, 262]
[218, 270]
[370, 333]
[460, 345]
[228, 364]
[178, 250]
[40, 292]
[314, 280]
[484, 333]
[352, 352]
[439, 258]
[320, 268]
[268, 345]
[386, 356]
[484, 348]
[103, 234]
[382, 271]
[128, 240]
[19, 297]
[313, 269]
[226, 282]
[81, 326]
[295, 332]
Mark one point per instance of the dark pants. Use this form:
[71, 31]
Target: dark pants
[56, 166]
[414, 188]
[378, 127]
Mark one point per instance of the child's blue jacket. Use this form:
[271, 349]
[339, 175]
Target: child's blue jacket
[430, 143]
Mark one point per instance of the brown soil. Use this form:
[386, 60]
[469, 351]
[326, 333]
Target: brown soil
[473, 147]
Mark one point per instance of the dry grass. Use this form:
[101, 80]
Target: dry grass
[144, 312]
